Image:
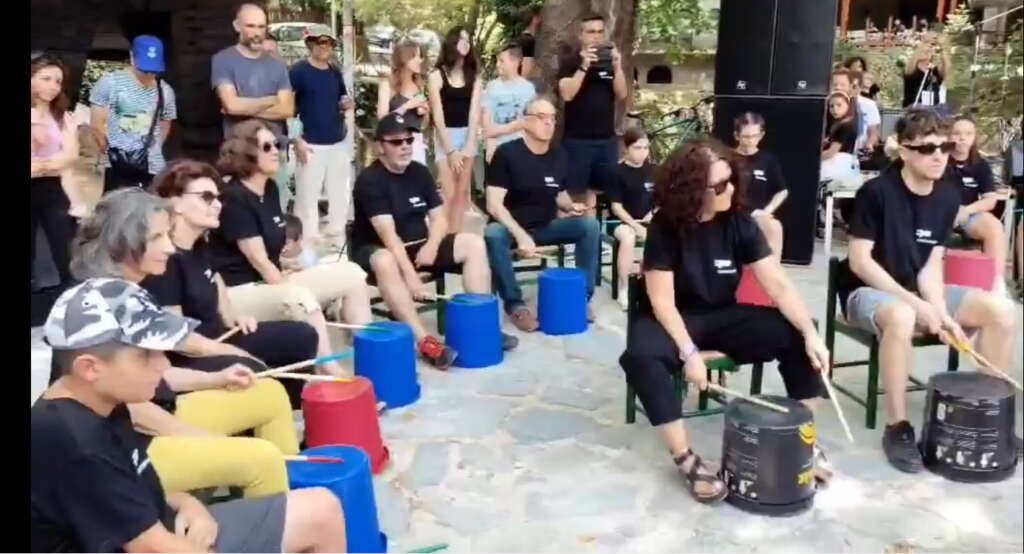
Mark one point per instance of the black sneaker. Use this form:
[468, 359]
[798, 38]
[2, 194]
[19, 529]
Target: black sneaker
[509, 342]
[901, 448]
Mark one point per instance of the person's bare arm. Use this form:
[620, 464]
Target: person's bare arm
[873, 274]
[181, 379]
[565, 203]
[873, 134]
[98, 124]
[158, 539]
[434, 85]
[383, 98]
[384, 225]
[198, 345]
[165, 130]
[255, 251]
[776, 201]
[661, 291]
[150, 419]
[619, 82]
[986, 203]
[833, 149]
[437, 228]
[283, 107]
[242, 107]
[474, 119]
[569, 87]
[225, 309]
[494, 130]
[620, 212]
[527, 67]
[930, 281]
[496, 207]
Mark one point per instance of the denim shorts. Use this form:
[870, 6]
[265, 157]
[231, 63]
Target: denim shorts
[863, 302]
[459, 136]
[965, 225]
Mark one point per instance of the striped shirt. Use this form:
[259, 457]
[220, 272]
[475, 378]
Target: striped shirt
[132, 107]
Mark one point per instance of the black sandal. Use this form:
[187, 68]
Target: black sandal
[692, 477]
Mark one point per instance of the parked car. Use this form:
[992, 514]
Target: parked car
[381, 39]
[291, 38]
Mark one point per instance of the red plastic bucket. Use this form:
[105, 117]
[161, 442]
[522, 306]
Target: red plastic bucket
[970, 268]
[344, 413]
[750, 291]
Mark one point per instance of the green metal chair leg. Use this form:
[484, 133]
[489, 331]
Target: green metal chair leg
[871, 404]
[630, 404]
[755, 378]
[954, 360]
[615, 269]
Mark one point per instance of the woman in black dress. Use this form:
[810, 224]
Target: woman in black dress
[696, 244]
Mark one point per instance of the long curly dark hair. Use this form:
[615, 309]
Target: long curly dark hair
[450, 55]
[681, 180]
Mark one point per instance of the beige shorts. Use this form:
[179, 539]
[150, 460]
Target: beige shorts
[305, 291]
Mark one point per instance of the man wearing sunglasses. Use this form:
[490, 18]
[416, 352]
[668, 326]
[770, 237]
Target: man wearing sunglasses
[321, 101]
[400, 230]
[892, 283]
[526, 186]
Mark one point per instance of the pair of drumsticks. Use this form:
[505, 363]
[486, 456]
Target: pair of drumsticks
[982, 361]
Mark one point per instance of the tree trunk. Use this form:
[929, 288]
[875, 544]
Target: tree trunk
[474, 17]
[559, 35]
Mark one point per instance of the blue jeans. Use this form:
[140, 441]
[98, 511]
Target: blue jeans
[584, 232]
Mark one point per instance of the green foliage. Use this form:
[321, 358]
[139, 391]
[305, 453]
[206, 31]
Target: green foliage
[93, 71]
[671, 25]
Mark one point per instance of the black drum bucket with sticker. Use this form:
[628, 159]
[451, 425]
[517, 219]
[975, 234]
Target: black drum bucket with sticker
[967, 434]
[768, 457]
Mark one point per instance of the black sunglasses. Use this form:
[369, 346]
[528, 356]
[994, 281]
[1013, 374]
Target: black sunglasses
[268, 146]
[206, 196]
[399, 142]
[929, 148]
[720, 186]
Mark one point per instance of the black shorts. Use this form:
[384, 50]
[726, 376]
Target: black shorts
[592, 162]
[444, 261]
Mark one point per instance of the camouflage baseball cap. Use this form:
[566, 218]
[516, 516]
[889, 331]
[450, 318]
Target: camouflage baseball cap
[100, 311]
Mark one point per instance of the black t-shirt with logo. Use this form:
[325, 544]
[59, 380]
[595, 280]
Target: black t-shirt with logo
[190, 282]
[972, 179]
[707, 261]
[904, 227]
[591, 113]
[244, 215]
[845, 133]
[633, 187]
[929, 91]
[93, 488]
[533, 181]
[407, 197]
[764, 179]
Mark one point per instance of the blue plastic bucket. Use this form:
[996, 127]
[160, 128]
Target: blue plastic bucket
[562, 301]
[473, 329]
[386, 355]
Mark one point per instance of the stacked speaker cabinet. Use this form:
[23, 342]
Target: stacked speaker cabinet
[774, 57]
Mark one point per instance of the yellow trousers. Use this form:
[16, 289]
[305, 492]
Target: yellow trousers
[254, 464]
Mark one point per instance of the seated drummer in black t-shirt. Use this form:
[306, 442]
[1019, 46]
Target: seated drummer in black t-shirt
[766, 187]
[526, 188]
[972, 176]
[692, 265]
[892, 283]
[630, 193]
[93, 487]
[400, 229]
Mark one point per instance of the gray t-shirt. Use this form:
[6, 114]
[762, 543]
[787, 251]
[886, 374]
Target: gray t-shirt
[252, 78]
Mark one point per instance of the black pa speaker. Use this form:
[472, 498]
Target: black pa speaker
[793, 131]
[743, 58]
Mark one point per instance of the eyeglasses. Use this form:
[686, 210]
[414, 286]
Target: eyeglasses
[206, 196]
[720, 186]
[270, 146]
[399, 142]
[929, 148]
[543, 116]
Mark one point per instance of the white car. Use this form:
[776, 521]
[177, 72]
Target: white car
[291, 37]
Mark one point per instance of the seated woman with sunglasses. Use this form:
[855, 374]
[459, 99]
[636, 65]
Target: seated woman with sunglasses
[190, 287]
[246, 247]
[697, 243]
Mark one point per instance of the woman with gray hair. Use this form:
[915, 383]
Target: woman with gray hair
[193, 412]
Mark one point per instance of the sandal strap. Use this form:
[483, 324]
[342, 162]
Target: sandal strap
[694, 474]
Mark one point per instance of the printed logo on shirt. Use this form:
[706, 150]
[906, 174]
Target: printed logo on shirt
[417, 202]
[550, 182]
[139, 468]
[605, 75]
[969, 182]
[759, 175]
[278, 221]
[209, 274]
[648, 186]
[924, 236]
[724, 267]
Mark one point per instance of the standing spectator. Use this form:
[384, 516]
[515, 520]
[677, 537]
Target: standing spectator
[505, 100]
[870, 88]
[132, 110]
[321, 100]
[251, 83]
[631, 196]
[869, 121]
[972, 176]
[54, 147]
[837, 160]
[402, 93]
[858, 63]
[923, 77]
[525, 192]
[454, 91]
[766, 187]
[590, 82]
[528, 41]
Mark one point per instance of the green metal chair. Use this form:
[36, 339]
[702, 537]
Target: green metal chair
[836, 322]
[715, 361]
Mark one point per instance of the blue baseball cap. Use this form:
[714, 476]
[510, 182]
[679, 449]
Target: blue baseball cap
[148, 53]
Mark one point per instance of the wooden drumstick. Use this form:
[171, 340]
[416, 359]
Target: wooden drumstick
[355, 327]
[751, 399]
[981, 360]
[305, 363]
[314, 459]
[835, 403]
[315, 378]
[230, 333]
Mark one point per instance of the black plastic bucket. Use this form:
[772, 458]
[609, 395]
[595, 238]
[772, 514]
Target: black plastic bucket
[967, 434]
[768, 457]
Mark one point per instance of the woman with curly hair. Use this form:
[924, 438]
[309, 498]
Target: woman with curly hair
[697, 244]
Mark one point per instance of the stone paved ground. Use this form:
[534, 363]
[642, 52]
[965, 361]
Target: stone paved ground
[533, 456]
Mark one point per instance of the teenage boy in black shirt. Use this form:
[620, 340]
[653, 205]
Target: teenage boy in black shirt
[892, 283]
[93, 488]
[525, 190]
[590, 87]
[400, 229]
